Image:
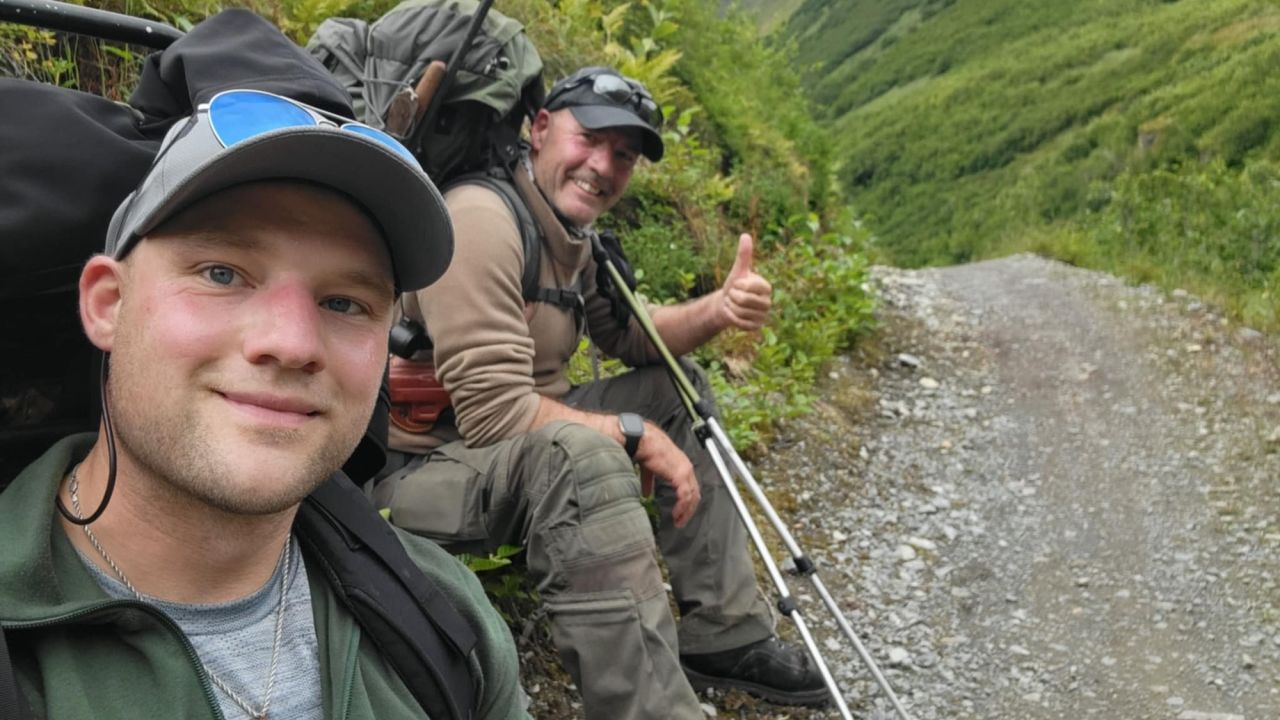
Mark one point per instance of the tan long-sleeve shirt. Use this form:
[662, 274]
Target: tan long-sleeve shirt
[493, 352]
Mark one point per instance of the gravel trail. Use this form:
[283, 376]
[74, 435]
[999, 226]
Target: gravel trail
[1038, 493]
[1042, 493]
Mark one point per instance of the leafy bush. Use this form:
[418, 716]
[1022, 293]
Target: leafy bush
[506, 584]
[1209, 228]
[821, 304]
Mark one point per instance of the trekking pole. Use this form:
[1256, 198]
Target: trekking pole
[714, 438]
[65, 17]
[786, 603]
[806, 566]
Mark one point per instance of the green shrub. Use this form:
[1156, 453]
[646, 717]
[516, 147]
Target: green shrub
[1210, 228]
[821, 305]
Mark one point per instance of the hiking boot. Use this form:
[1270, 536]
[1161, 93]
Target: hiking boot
[770, 669]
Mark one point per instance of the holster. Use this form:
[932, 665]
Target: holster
[417, 397]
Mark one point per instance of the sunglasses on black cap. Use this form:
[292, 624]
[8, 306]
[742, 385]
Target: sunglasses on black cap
[618, 90]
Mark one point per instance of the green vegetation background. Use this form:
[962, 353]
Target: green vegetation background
[743, 154]
[1137, 136]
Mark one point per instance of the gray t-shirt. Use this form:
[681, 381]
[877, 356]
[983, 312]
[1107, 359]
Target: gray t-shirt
[234, 641]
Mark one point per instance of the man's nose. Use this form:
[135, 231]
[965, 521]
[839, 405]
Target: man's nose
[601, 160]
[286, 328]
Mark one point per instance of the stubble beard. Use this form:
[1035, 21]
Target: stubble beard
[600, 204]
[176, 448]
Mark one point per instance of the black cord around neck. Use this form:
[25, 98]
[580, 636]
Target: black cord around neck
[111, 456]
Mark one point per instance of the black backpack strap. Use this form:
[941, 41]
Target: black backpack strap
[12, 704]
[421, 633]
[498, 180]
[567, 298]
[530, 235]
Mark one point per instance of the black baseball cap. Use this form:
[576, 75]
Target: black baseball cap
[601, 97]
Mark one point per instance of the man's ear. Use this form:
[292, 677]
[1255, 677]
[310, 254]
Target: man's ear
[538, 129]
[101, 290]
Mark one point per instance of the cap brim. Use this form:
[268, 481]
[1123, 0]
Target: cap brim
[401, 201]
[597, 117]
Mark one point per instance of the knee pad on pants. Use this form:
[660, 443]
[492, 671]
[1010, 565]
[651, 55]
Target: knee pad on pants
[589, 520]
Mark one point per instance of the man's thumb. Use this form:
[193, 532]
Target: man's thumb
[742, 263]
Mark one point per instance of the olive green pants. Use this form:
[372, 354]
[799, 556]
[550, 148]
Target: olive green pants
[571, 496]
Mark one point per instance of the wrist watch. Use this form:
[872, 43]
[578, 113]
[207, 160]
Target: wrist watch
[632, 426]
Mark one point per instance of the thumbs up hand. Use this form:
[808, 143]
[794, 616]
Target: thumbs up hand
[746, 297]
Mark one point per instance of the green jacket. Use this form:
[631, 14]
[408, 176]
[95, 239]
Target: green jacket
[80, 654]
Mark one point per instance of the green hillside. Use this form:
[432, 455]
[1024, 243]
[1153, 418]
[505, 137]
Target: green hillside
[770, 15]
[1136, 135]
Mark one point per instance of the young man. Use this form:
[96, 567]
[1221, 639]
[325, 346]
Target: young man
[535, 462]
[244, 301]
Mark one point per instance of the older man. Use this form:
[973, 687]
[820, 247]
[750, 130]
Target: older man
[534, 461]
[244, 301]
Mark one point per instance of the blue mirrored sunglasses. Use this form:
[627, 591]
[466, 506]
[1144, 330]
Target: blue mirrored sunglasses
[237, 115]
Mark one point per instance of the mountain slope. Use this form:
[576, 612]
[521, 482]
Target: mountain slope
[770, 15]
[967, 126]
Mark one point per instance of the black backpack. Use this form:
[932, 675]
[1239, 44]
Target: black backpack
[67, 159]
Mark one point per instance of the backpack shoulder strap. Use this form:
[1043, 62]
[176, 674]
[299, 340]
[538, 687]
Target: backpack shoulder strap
[12, 705]
[422, 634]
[498, 180]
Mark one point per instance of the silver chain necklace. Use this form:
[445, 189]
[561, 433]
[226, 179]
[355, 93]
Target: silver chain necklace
[254, 713]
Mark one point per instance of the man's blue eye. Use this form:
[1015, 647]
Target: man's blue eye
[342, 305]
[221, 275]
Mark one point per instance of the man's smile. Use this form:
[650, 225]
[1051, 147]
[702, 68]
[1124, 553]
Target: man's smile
[273, 409]
[587, 187]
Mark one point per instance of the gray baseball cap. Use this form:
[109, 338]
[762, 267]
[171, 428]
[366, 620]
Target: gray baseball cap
[395, 192]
